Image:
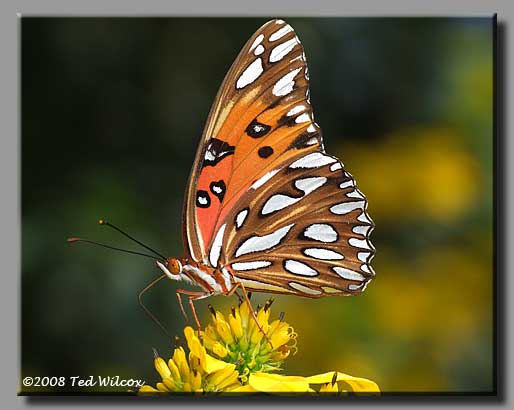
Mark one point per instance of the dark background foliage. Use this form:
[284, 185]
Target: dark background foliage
[112, 111]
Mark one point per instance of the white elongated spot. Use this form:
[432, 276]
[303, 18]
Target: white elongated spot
[214, 255]
[217, 189]
[261, 243]
[302, 118]
[321, 232]
[336, 166]
[258, 50]
[348, 273]
[304, 289]
[363, 256]
[265, 178]
[240, 218]
[254, 284]
[361, 229]
[257, 41]
[299, 268]
[295, 110]
[363, 217]
[359, 243]
[365, 268]
[281, 201]
[285, 85]
[250, 74]
[324, 254]
[278, 202]
[355, 194]
[250, 265]
[311, 128]
[281, 32]
[347, 184]
[308, 185]
[281, 50]
[313, 160]
[346, 207]
[351, 286]
[279, 21]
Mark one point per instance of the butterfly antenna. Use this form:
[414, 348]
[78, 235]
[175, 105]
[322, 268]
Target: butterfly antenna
[110, 225]
[73, 240]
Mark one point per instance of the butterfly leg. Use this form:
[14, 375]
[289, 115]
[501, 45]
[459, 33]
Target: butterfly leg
[192, 296]
[184, 314]
[147, 311]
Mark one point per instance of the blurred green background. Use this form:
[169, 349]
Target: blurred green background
[112, 111]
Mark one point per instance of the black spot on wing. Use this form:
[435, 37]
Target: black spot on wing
[304, 140]
[218, 188]
[215, 151]
[257, 129]
[203, 200]
[287, 121]
[265, 152]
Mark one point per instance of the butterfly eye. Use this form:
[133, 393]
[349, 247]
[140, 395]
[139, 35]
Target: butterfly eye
[174, 266]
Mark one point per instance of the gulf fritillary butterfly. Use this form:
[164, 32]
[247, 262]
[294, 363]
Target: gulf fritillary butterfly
[266, 209]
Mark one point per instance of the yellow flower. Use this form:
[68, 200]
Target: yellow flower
[238, 340]
[195, 373]
[235, 356]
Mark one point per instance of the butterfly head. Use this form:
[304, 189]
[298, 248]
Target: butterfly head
[172, 268]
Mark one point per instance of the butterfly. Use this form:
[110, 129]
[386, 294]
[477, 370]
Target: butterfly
[266, 208]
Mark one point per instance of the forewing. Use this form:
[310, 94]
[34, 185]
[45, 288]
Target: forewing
[260, 119]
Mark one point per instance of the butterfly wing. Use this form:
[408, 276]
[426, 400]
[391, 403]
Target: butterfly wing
[304, 231]
[264, 201]
[261, 117]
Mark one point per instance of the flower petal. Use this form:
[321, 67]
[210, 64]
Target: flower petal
[175, 374]
[170, 384]
[161, 367]
[358, 384]
[148, 390]
[224, 377]
[196, 381]
[281, 335]
[162, 388]
[195, 346]
[219, 350]
[179, 357]
[234, 320]
[267, 382]
[212, 364]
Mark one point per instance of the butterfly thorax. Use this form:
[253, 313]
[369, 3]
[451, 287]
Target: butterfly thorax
[213, 280]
